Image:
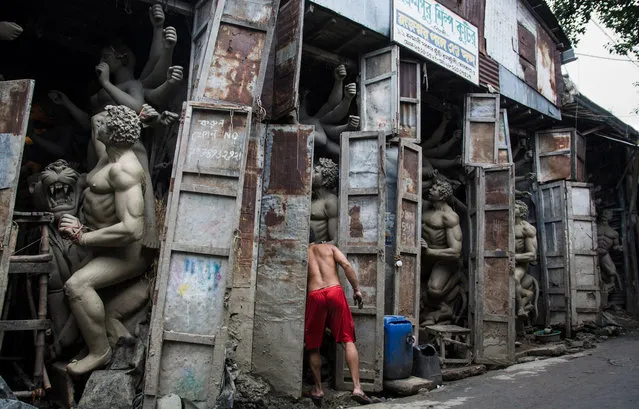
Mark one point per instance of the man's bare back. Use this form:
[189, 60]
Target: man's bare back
[323, 259]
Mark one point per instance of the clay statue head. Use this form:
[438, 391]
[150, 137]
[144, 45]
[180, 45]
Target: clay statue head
[117, 125]
[440, 191]
[325, 174]
[118, 56]
[57, 189]
[606, 215]
[521, 209]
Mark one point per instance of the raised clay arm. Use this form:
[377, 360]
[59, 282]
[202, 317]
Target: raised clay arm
[334, 131]
[156, 15]
[161, 96]
[444, 148]
[81, 117]
[341, 110]
[336, 93]
[133, 99]
[158, 73]
[445, 163]
[436, 138]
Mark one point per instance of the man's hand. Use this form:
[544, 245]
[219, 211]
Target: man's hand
[58, 97]
[156, 15]
[357, 297]
[340, 72]
[170, 37]
[70, 227]
[9, 30]
[103, 72]
[175, 74]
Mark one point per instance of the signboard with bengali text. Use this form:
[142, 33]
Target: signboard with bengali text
[433, 31]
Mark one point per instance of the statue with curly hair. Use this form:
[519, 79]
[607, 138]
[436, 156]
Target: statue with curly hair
[441, 249]
[111, 226]
[525, 253]
[324, 204]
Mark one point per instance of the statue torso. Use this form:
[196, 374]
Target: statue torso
[606, 236]
[434, 228]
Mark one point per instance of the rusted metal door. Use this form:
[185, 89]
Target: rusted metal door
[482, 145]
[280, 296]
[585, 293]
[410, 97]
[560, 154]
[555, 271]
[408, 232]
[491, 199]
[379, 99]
[362, 209]
[238, 43]
[200, 244]
[15, 106]
[204, 16]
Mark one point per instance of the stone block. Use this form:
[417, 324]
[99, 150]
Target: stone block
[548, 350]
[409, 386]
[109, 389]
[454, 374]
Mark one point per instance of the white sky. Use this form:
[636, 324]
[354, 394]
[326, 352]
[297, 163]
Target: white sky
[608, 82]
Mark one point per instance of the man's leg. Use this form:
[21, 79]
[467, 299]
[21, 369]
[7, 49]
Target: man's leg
[315, 362]
[352, 360]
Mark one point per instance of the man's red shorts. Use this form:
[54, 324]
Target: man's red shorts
[328, 304]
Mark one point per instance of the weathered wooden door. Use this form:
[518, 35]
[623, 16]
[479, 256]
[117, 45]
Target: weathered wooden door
[238, 42]
[204, 17]
[198, 257]
[280, 295]
[503, 152]
[482, 135]
[491, 199]
[15, 106]
[560, 154]
[379, 99]
[408, 232]
[555, 271]
[585, 293]
[410, 98]
[362, 209]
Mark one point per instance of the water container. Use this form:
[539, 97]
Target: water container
[398, 347]
[426, 363]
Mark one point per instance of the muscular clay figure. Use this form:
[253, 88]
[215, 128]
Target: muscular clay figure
[607, 240]
[112, 225]
[525, 253]
[441, 245]
[324, 204]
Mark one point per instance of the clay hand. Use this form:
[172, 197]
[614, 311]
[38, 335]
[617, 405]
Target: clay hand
[70, 227]
[170, 37]
[523, 143]
[529, 155]
[168, 117]
[350, 90]
[531, 175]
[156, 15]
[353, 122]
[148, 115]
[175, 74]
[103, 72]
[9, 30]
[424, 243]
[357, 298]
[340, 72]
[448, 115]
[58, 97]
[457, 134]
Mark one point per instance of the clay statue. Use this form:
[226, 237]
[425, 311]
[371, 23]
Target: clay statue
[9, 30]
[324, 204]
[525, 254]
[111, 224]
[607, 240]
[441, 246]
[327, 118]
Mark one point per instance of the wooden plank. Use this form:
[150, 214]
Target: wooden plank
[197, 259]
[280, 296]
[362, 226]
[408, 231]
[15, 105]
[379, 94]
[410, 100]
[481, 129]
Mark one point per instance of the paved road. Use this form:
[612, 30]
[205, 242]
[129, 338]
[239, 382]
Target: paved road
[603, 378]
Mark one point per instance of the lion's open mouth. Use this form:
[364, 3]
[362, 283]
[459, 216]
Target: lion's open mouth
[61, 195]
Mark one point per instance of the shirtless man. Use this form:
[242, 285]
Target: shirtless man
[326, 302]
[525, 253]
[111, 224]
[324, 203]
[442, 245]
[607, 240]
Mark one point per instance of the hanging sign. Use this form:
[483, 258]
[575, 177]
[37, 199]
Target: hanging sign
[433, 31]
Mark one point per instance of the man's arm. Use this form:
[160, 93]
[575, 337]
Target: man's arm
[129, 208]
[340, 259]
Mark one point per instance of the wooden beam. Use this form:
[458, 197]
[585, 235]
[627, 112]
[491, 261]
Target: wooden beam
[178, 6]
[592, 130]
[327, 57]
